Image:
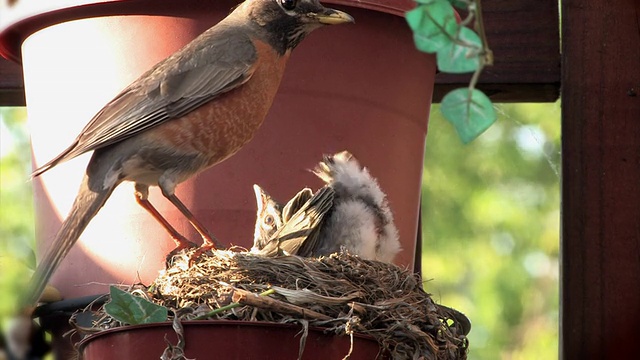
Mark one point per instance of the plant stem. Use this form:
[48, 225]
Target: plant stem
[487, 54]
[475, 77]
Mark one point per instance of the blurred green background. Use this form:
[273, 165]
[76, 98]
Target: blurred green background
[17, 232]
[491, 223]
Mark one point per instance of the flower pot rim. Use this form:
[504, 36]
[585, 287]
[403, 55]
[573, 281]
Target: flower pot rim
[208, 323]
[21, 23]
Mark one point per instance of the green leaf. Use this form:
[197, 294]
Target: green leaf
[434, 25]
[470, 112]
[462, 55]
[133, 310]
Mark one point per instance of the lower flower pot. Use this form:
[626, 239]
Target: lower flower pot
[225, 339]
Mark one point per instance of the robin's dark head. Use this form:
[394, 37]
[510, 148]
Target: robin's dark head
[287, 22]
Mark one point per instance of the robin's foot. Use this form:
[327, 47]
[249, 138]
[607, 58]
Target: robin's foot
[199, 251]
[210, 241]
[207, 237]
[181, 244]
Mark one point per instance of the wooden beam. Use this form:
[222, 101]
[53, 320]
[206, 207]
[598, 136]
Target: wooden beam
[503, 93]
[11, 84]
[601, 179]
[523, 34]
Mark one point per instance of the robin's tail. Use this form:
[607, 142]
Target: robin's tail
[84, 208]
[67, 154]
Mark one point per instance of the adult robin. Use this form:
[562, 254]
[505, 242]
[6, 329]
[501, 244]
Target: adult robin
[189, 112]
[355, 215]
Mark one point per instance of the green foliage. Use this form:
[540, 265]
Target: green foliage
[458, 49]
[460, 105]
[16, 209]
[491, 224]
[133, 310]
[462, 55]
[433, 24]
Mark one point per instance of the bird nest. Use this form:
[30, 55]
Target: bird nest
[341, 293]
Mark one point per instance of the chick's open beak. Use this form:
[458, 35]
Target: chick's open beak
[334, 17]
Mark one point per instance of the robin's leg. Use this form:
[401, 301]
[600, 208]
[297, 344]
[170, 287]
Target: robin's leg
[209, 241]
[142, 194]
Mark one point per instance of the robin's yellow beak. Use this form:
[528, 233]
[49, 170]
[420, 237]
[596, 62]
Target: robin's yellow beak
[334, 17]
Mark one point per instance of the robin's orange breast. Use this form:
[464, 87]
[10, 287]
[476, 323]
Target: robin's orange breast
[219, 128]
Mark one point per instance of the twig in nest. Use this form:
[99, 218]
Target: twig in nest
[233, 305]
[306, 296]
[248, 298]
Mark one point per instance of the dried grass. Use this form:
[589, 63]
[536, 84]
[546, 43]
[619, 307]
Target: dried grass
[341, 292]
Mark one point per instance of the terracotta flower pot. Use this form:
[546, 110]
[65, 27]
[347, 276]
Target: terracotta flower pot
[362, 87]
[225, 340]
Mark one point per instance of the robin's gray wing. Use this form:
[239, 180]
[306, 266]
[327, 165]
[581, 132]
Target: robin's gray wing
[214, 63]
[295, 204]
[302, 228]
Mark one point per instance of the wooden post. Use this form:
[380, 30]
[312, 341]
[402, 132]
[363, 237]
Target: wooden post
[600, 303]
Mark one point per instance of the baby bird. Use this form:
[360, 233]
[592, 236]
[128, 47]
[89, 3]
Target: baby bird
[359, 218]
[271, 214]
[300, 228]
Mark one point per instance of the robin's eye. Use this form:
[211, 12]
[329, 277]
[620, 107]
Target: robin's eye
[268, 220]
[288, 4]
